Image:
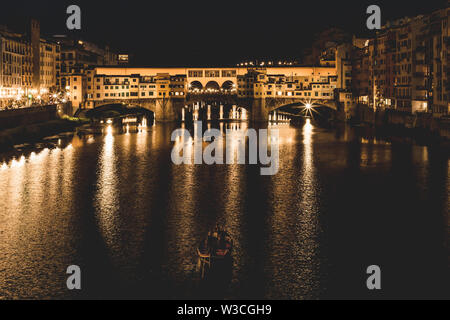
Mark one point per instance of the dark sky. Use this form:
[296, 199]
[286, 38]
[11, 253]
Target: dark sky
[166, 32]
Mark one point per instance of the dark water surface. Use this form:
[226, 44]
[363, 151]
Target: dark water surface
[115, 205]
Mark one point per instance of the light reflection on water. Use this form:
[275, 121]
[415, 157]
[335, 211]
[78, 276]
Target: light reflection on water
[35, 232]
[294, 257]
[107, 195]
[117, 203]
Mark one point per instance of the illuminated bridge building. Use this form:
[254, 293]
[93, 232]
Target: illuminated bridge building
[171, 93]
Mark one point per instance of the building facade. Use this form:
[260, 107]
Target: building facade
[405, 67]
[28, 66]
[49, 56]
[32, 66]
[12, 53]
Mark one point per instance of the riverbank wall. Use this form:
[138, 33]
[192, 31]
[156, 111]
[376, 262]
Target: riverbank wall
[10, 119]
[29, 125]
[423, 122]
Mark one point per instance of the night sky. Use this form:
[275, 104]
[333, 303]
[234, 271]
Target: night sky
[206, 32]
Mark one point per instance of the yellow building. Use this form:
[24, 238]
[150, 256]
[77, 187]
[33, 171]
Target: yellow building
[25, 71]
[314, 84]
[12, 53]
[49, 55]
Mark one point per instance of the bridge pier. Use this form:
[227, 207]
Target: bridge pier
[169, 109]
[260, 112]
[164, 111]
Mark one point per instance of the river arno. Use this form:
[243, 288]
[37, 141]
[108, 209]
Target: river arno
[115, 205]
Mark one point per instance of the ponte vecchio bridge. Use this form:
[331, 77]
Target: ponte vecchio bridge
[172, 93]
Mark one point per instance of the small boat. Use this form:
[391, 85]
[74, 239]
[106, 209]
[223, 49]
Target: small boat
[217, 247]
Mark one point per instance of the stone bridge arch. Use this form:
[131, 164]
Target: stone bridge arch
[149, 104]
[273, 104]
[262, 107]
[164, 109]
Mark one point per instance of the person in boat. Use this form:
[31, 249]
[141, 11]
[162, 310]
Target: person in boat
[216, 231]
[210, 237]
[204, 247]
[221, 242]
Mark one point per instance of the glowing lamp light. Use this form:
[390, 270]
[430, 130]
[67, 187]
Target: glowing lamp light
[308, 106]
